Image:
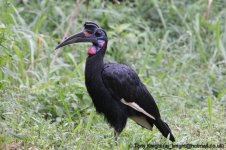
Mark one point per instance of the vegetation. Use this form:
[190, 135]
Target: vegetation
[176, 47]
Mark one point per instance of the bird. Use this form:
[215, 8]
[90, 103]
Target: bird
[115, 89]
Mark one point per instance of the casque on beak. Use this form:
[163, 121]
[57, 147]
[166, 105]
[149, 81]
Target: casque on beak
[77, 38]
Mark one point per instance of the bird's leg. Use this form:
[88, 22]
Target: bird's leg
[116, 134]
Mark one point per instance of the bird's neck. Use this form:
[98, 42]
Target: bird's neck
[93, 78]
[95, 63]
[94, 66]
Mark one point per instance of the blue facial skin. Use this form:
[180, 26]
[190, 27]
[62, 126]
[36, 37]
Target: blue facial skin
[101, 43]
[94, 49]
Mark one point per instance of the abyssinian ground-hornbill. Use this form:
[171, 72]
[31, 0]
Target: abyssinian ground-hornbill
[116, 89]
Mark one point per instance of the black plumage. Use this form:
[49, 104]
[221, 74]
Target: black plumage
[115, 89]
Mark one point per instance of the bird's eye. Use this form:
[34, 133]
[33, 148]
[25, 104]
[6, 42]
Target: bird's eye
[98, 34]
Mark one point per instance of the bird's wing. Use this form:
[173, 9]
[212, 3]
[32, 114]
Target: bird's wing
[124, 84]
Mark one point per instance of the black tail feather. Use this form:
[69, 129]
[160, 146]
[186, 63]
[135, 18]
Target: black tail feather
[164, 129]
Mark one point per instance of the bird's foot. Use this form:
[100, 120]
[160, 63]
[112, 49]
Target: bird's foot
[116, 134]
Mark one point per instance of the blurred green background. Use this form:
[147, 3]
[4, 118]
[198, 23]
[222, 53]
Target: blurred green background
[178, 49]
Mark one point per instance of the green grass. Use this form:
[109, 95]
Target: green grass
[179, 55]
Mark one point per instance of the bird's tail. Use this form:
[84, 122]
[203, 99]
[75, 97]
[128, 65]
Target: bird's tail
[164, 129]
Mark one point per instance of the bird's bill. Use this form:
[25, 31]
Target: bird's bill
[77, 38]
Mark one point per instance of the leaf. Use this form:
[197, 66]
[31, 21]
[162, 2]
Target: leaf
[210, 106]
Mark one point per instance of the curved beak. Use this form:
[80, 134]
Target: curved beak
[77, 38]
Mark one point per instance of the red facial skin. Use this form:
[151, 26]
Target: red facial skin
[86, 34]
[92, 51]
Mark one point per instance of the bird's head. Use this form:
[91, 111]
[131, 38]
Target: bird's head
[91, 33]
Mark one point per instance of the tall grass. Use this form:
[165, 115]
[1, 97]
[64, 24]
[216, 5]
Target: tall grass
[178, 53]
